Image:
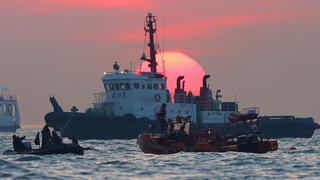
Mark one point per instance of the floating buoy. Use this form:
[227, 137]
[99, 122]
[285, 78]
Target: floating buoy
[292, 148]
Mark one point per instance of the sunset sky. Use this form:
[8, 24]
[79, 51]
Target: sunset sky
[266, 53]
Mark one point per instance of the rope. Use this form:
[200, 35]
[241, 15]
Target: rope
[67, 123]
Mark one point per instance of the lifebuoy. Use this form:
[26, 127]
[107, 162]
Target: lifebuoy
[157, 97]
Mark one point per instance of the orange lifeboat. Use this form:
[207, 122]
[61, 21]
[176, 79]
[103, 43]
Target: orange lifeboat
[178, 139]
[161, 144]
[208, 140]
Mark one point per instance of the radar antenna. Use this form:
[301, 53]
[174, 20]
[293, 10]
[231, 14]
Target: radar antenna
[150, 28]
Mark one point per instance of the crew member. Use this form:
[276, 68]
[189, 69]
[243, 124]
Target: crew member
[170, 129]
[116, 67]
[18, 145]
[162, 117]
[182, 132]
[171, 126]
[46, 136]
[74, 140]
[179, 119]
[37, 139]
[56, 139]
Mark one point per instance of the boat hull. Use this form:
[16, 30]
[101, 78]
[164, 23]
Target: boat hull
[160, 144]
[8, 128]
[61, 149]
[97, 126]
[101, 126]
[157, 144]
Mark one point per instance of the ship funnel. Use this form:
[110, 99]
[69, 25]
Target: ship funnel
[183, 82]
[179, 81]
[204, 80]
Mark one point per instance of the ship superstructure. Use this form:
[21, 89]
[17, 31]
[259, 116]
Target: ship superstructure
[142, 93]
[9, 111]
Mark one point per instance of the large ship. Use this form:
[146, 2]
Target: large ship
[131, 100]
[9, 111]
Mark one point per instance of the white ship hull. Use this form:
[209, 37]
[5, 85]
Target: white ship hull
[8, 128]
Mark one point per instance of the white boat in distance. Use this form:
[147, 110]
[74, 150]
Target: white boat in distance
[9, 111]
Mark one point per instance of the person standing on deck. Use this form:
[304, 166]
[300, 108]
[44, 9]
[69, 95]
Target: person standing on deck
[46, 136]
[18, 145]
[162, 117]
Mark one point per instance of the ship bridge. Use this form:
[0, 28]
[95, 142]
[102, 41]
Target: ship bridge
[143, 93]
[127, 92]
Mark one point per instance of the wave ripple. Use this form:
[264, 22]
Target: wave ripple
[122, 159]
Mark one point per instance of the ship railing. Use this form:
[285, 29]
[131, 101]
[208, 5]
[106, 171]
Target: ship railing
[8, 98]
[132, 72]
[121, 72]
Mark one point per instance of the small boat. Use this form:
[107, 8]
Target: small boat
[58, 149]
[180, 139]
[208, 140]
[9, 111]
[254, 144]
[162, 144]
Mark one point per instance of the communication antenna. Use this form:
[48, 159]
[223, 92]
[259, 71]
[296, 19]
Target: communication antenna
[140, 66]
[150, 28]
[130, 67]
[163, 49]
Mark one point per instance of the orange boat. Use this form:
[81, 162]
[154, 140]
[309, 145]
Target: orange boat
[164, 144]
[208, 140]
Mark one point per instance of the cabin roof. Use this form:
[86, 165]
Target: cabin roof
[124, 76]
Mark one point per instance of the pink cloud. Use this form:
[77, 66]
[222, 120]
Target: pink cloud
[195, 29]
[52, 6]
[104, 4]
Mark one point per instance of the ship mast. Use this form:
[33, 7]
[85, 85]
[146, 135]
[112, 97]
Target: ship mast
[150, 28]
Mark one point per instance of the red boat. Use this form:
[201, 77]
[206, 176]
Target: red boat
[208, 140]
[168, 144]
[247, 114]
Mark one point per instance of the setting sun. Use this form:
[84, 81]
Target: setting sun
[179, 64]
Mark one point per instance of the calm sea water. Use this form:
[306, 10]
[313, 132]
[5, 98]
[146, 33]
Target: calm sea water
[122, 159]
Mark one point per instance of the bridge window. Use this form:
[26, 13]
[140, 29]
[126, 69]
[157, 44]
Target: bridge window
[136, 85]
[122, 86]
[162, 86]
[143, 86]
[109, 87]
[156, 86]
[117, 86]
[128, 86]
[149, 86]
[106, 87]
